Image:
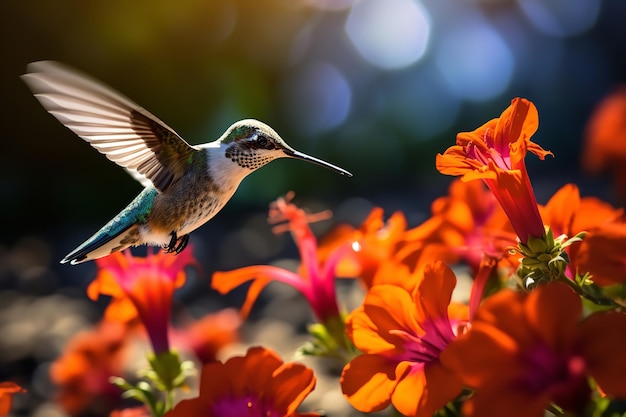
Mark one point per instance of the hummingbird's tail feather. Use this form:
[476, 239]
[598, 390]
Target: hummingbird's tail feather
[103, 243]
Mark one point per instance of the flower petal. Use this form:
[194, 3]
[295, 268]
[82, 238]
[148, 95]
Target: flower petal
[261, 275]
[190, 407]
[291, 383]
[421, 391]
[602, 254]
[518, 122]
[225, 282]
[505, 400]
[368, 381]
[260, 365]
[454, 161]
[602, 338]
[560, 210]
[7, 389]
[492, 344]
[407, 397]
[434, 291]
[386, 308]
[553, 312]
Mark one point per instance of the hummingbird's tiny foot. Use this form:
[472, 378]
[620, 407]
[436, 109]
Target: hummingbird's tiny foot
[182, 244]
[177, 244]
[171, 247]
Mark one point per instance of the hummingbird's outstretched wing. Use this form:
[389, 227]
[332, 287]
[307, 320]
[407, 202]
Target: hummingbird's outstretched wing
[126, 133]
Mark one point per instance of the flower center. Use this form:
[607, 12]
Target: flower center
[426, 348]
[548, 369]
[248, 406]
[489, 151]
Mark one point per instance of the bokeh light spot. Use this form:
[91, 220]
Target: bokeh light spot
[561, 18]
[318, 98]
[389, 34]
[475, 61]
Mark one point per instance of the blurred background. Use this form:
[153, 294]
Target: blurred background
[377, 87]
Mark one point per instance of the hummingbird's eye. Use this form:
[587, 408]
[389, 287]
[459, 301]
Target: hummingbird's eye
[262, 141]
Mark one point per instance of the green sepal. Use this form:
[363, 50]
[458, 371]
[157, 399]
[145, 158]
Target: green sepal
[142, 392]
[167, 371]
[329, 340]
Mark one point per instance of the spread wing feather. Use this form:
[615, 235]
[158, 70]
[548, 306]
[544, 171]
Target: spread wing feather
[126, 133]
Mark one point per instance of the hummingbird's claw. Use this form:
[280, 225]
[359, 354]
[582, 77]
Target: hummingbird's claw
[172, 245]
[181, 244]
[176, 245]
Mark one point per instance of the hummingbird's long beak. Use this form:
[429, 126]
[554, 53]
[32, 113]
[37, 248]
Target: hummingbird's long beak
[299, 155]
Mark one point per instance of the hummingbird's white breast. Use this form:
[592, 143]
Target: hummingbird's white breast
[209, 197]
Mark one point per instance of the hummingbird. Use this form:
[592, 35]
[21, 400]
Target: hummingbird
[184, 185]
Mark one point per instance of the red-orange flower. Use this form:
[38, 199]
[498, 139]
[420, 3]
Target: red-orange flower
[373, 242]
[402, 334]
[525, 350]
[148, 283]
[259, 384]
[467, 223]
[495, 153]
[82, 373]
[602, 252]
[315, 280]
[7, 389]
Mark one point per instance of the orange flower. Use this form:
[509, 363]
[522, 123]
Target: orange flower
[148, 283]
[402, 334]
[259, 384]
[605, 139]
[495, 153]
[7, 389]
[373, 242]
[467, 223]
[603, 250]
[315, 280]
[399, 274]
[82, 373]
[525, 350]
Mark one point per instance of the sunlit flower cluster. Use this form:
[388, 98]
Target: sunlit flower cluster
[539, 330]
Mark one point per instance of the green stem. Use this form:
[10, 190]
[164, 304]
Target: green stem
[169, 401]
[153, 409]
[574, 286]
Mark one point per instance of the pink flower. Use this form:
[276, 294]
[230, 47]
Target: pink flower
[148, 283]
[314, 280]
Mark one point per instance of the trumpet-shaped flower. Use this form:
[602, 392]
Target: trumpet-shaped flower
[259, 384]
[314, 280]
[7, 389]
[525, 350]
[402, 335]
[148, 283]
[495, 153]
